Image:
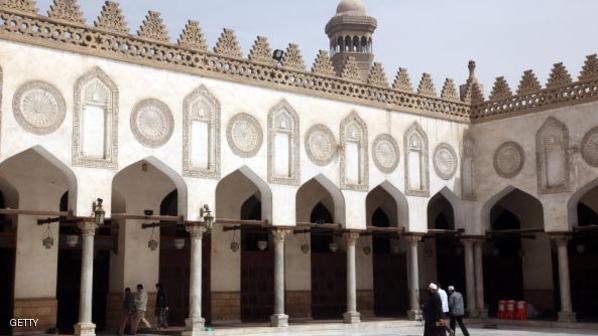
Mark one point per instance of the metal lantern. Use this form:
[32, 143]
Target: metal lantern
[262, 245]
[305, 246]
[581, 248]
[234, 245]
[179, 243]
[396, 249]
[206, 214]
[48, 242]
[98, 212]
[367, 250]
[152, 244]
[72, 240]
[333, 247]
[495, 251]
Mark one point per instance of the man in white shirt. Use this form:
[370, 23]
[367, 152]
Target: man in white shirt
[141, 307]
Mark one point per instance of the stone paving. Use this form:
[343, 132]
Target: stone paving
[418, 331]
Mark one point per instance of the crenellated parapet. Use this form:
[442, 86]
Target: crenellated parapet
[559, 90]
[110, 38]
[65, 29]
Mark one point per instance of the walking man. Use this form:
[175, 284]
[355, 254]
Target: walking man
[128, 311]
[445, 309]
[457, 310]
[161, 307]
[434, 321]
[140, 307]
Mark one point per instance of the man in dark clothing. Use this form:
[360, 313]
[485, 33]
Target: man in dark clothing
[128, 311]
[433, 316]
[161, 307]
[457, 310]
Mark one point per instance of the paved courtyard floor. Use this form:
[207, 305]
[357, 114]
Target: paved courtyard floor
[417, 331]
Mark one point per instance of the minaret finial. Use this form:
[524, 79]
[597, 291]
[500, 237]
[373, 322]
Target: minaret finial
[471, 67]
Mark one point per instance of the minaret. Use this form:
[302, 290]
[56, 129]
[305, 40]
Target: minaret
[350, 32]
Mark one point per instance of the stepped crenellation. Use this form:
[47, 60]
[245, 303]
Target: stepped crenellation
[65, 28]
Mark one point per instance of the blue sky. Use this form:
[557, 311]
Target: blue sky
[505, 37]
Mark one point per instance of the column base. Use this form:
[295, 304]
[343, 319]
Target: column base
[473, 313]
[194, 326]
[85, 329]
[567, 317]
[351, 317]
[415, 315]
[279, 320]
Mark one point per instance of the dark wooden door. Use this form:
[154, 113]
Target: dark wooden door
[450, 264]
[67, 292]
[257, 276]
[7, 259]
[390, 285]
[328, 285]
[503, 280]
[175, 276]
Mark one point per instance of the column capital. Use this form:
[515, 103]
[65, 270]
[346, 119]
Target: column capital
[352, 237]
[196, 231]
[279, 235]
[87, 228]
[413, 238]
[560, 238]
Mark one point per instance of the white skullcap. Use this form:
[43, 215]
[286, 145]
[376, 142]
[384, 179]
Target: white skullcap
[451, 288]
[433, 286]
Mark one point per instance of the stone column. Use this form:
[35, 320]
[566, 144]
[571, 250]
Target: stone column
[479, 279]
[279, 319]
[566, 314]
[470, 277]
[351, 316]
[414, 312]
[85, 327]
[194, 324]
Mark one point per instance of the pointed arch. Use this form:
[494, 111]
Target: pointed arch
[283, 144]
[336, 195]
[201, 134]
[265, 194]
[401, 204]
[172, 175]
[494, 200]
[69, 175]
[574, 201]
[552, 157]
[95, 121]
[417, 175]
[354, 153]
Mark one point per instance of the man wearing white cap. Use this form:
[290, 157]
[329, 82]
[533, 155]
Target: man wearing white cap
[445, 308]
[433, 316]
[457, 310]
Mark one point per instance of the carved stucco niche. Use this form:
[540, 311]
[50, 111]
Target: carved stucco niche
[354, 160]
[201, 134]
[552, 157]
[244, 135]
[445, 161]
[467, 168]
[320, 145]
[283, 144]
[509, 159]
[95, 116]
[589, 147]
[39, 107]
[152, 123]
[417, 171]
[386, 153]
